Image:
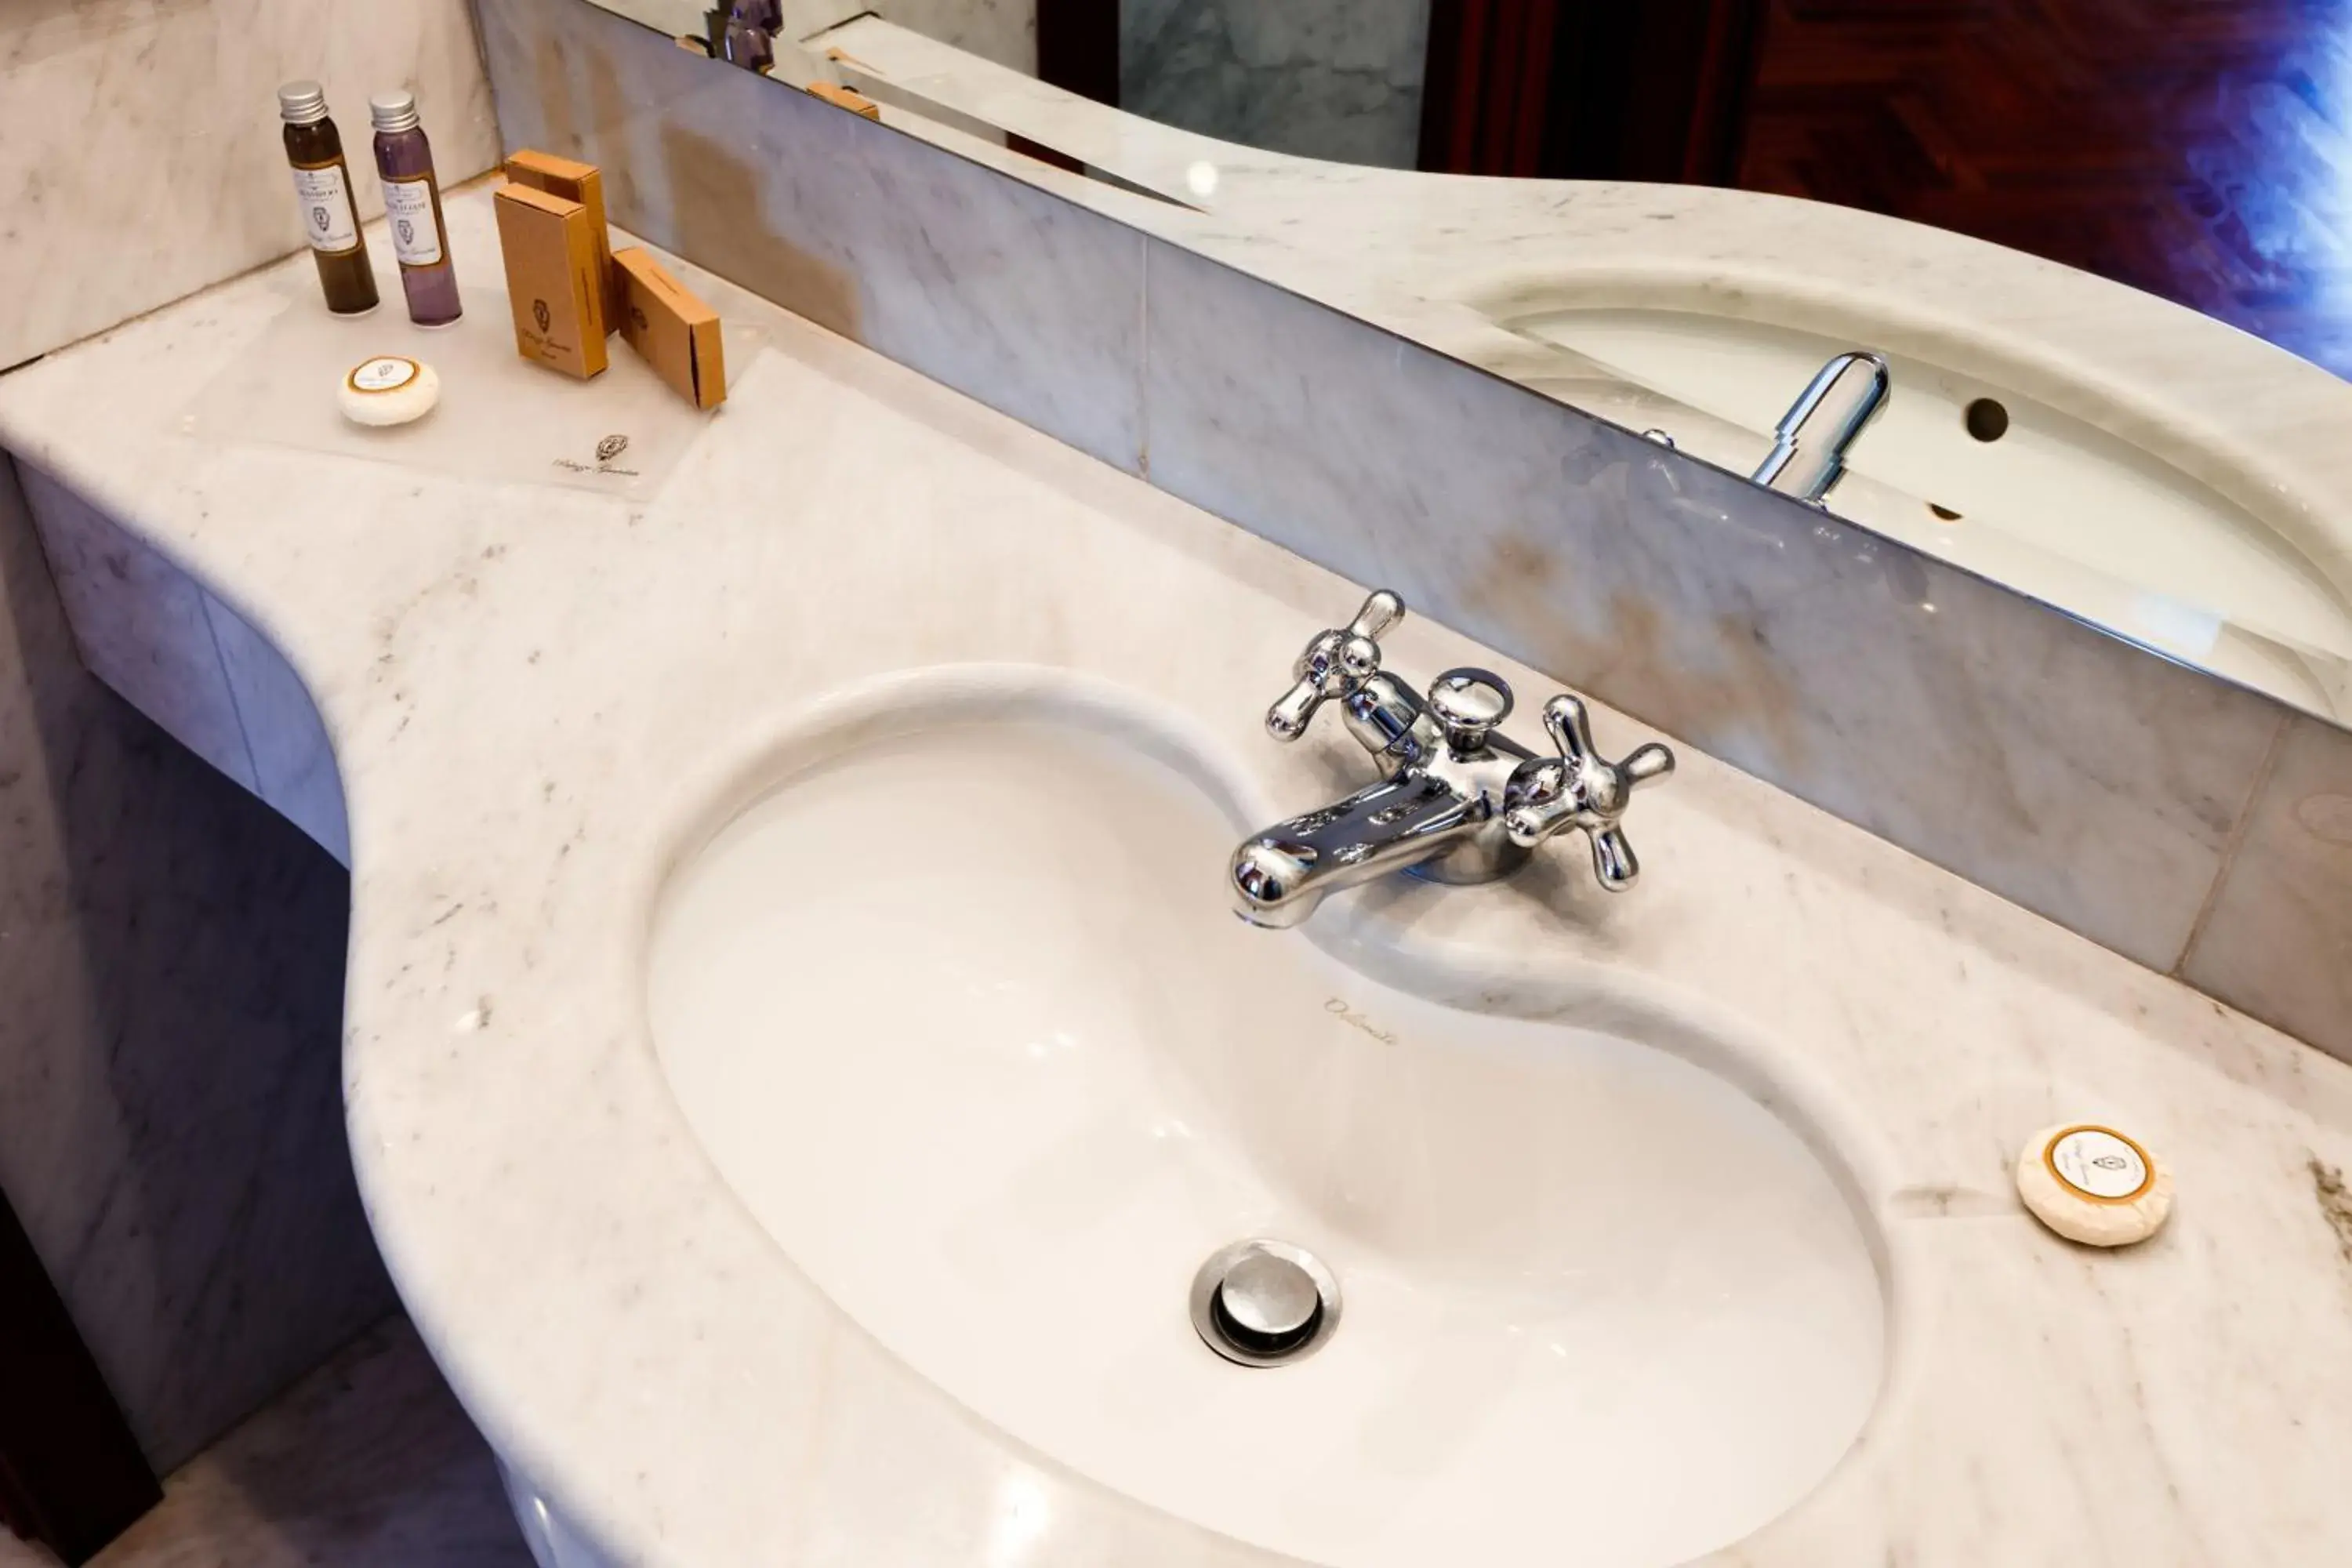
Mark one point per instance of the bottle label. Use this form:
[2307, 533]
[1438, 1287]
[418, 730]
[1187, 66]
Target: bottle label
[2099, 1163]
[408, 209]
[327, 218]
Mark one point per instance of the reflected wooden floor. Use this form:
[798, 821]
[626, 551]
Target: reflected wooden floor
[2200, 149]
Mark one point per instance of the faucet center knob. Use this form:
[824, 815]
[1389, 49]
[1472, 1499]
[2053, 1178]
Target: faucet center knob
[1469, 703]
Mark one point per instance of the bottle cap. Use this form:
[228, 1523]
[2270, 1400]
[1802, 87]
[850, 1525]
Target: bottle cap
[393, 111]
[302, 103]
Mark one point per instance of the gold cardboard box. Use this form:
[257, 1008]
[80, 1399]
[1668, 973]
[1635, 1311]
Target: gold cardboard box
[553, 271]
[677, 333]
[846, 97]
[575, 182]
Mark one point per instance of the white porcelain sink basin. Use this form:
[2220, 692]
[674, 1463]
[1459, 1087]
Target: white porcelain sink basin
[1987, 479]
[960, 1012]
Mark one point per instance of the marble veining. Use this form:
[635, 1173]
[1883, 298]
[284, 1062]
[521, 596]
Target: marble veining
[1319, 78]
[140, 156]
[171, 958]
[534, 697]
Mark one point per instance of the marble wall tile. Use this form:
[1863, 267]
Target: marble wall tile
[140, 157]
[189, 662]
[293, 759]
[1005, 31]
[1321, 78]
[2069, 771]
[1029, 303]
[2277, 941]
[141, 623]
[170, 1108]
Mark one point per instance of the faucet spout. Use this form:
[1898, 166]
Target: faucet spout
[1279, 876]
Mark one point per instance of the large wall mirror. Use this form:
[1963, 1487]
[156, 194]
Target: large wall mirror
[1398, 159]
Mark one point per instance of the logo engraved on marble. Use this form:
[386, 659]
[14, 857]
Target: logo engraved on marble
[607, 449]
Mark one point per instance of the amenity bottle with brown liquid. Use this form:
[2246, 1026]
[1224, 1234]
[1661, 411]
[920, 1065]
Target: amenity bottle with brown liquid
[322, 183]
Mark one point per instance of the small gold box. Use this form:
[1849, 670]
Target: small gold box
[575, 182]
[551, 281]
[675, 332]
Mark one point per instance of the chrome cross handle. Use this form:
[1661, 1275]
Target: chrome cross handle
[1334, 664]
[1580, 788]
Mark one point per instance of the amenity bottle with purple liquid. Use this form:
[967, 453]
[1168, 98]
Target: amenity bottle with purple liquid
[412, 207]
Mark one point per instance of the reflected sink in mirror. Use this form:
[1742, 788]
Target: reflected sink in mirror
[1975, 473]
[958, 1007]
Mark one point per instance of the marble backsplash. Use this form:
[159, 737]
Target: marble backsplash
[140, 155]
[170, 1108]
[2154, 809]
[1321, 78]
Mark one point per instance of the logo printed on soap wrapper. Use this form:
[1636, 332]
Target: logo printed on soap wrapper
[2100, 1163]
[540, 313]
[385, 373]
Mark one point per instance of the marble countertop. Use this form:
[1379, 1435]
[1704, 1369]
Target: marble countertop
[534, 692]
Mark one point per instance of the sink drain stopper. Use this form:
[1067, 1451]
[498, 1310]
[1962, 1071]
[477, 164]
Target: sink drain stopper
[1265, 1303]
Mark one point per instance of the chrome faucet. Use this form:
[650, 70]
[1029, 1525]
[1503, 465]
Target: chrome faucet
[1460, 804]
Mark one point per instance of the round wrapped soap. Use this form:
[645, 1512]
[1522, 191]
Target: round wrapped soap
[389, 389]
[2094, 1185]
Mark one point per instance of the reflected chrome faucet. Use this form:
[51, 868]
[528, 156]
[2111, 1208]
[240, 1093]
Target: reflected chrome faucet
[743, 31]
[1461, 803]
[1808, 444]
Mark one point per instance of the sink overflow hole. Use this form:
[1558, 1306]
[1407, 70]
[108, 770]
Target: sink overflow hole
[1263, 1303]
[1987, 420]
[1946, 513]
